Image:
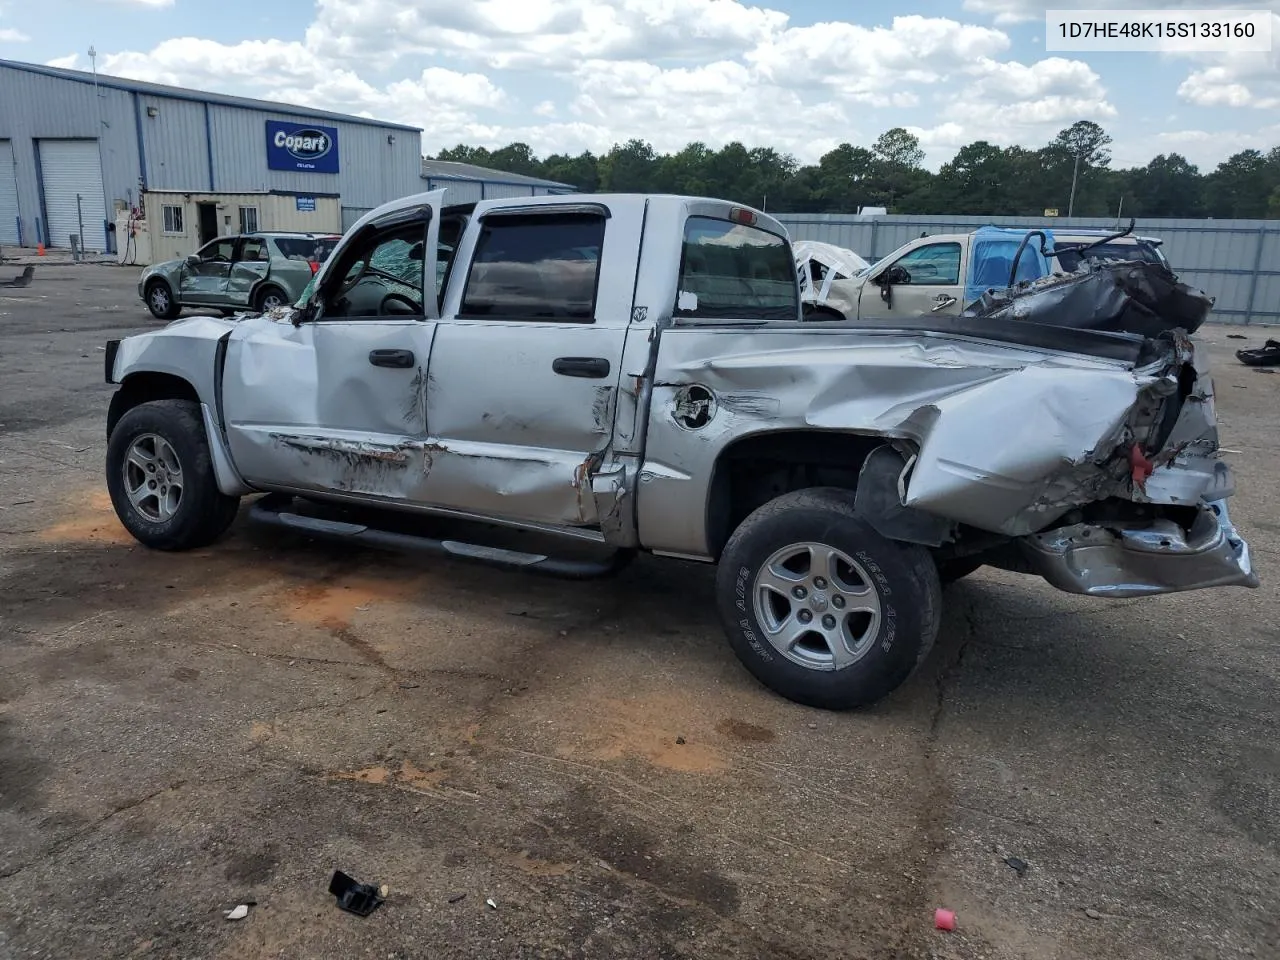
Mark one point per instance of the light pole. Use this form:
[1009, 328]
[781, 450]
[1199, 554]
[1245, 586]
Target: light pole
[1075, 172]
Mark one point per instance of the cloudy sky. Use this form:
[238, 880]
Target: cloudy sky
[568, 75]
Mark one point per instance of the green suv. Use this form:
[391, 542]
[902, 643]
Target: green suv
[254, 271]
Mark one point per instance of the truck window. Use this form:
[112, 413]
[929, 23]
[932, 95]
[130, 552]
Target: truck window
[536, 267]
[934, 264]
[730, 270]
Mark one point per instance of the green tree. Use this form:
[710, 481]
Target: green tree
[629, 168]
[1241, 185]
[1168, 186]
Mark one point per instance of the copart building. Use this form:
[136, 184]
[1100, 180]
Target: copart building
[151, 172]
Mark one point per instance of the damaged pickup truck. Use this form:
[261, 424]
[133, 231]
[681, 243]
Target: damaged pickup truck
[632, 373]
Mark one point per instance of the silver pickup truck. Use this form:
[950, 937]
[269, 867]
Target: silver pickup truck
[625, 373]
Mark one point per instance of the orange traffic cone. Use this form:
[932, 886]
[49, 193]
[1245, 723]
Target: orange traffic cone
[39, 249]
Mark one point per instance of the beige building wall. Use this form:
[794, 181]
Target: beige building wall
[172, 221]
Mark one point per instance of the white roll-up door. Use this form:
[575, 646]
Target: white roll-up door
[8, 196]
[69, 168]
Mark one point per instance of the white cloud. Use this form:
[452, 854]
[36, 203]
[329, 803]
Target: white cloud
[547, 34]
[666, 71]
[68, 62]
[10, 35]
[1237, 80]
[863, 63]
[1021, 11]
[1207, 148]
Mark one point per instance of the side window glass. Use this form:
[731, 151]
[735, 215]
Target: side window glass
[536, 267]
[254, 251]
[385, 278]
[219, 251]
[935, 264]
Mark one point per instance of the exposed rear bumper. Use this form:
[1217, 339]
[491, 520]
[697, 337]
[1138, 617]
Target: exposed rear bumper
[1139, 558]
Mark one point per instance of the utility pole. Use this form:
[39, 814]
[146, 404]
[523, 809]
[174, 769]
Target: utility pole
[1071, 203]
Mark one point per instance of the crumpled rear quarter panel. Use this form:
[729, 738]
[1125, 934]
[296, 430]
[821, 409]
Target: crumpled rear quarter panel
[1008, 436]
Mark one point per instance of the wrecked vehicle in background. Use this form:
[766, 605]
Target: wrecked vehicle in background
[818, 265]
[625, 373]
[945, 273]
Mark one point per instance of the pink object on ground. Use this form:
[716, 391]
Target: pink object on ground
[944, 919]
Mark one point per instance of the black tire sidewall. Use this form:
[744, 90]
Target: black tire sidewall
[173, 303]
[899, 572]
[178, 422]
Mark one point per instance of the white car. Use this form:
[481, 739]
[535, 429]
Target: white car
[820, 264]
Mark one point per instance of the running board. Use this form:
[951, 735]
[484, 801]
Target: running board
[277, 510]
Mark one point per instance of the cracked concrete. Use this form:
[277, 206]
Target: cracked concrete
[590, 755]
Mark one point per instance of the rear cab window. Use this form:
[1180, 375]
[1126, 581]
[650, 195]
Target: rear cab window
[733, 271]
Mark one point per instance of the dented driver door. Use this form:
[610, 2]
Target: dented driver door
[527, 358]
[336, 403]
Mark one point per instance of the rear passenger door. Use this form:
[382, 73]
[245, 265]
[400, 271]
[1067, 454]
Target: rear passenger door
[253, 260]
[524, 367]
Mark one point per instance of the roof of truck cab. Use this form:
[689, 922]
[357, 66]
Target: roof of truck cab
[569, 200]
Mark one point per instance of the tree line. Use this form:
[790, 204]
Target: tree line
[1071, 172]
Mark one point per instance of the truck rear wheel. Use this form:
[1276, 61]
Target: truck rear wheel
[821, 608]
[160, 477]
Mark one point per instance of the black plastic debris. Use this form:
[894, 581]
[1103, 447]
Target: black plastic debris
[1018, 864]
[21, 280]
[1127, 296]
[354, 897]
[1268, 355]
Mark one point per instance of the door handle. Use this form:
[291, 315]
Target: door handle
[941, 302]
[391, 358]
[594, 367]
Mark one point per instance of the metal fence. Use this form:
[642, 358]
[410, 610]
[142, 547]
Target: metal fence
[1235, 261]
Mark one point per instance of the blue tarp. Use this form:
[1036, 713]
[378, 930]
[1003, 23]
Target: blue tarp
[991, 257]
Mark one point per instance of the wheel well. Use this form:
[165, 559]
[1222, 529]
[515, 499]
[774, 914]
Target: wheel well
[268, 285]
[151, 282]
[756, 469]
[139, 388]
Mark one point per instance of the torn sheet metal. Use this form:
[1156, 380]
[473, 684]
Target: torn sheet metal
[1130, 296]
[1141, 558]
[1007, 437]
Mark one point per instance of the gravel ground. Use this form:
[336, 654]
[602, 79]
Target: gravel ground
[180, 734]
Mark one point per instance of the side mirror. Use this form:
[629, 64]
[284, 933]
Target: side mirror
[894, 274]
[193, 260]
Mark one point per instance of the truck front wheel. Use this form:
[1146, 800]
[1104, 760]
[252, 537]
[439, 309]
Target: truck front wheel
[160, 477]
[821, 608]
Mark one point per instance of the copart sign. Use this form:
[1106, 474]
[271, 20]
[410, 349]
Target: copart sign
[306, 147]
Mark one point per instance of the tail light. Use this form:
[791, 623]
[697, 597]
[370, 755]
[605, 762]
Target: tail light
[313, 265]
[746, 217]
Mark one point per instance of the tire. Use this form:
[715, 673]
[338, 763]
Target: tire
[200, 513]
[160, 301]
[262, 301]
[899, 581]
